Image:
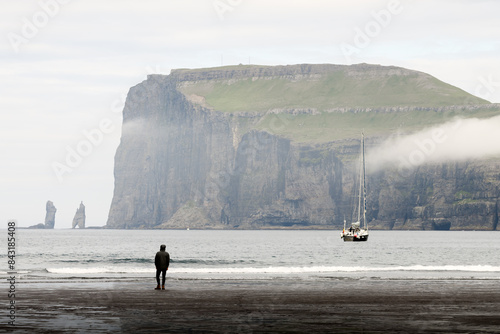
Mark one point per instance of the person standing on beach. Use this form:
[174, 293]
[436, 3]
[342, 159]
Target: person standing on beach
[162, 261]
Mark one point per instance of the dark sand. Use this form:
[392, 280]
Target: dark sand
[263, 306]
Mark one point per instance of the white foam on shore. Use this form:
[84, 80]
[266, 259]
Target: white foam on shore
[273, 270]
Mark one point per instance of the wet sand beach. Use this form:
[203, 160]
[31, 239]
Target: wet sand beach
[260, 306]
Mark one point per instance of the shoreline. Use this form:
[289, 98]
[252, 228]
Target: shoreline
[264, 228]
[249, 306]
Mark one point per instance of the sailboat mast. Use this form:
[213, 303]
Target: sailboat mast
[364, 180]
[360, 184]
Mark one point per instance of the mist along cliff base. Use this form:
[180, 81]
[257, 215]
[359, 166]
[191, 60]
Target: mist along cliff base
[253, 147]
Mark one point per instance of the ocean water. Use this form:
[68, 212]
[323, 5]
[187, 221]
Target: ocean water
[103, 255]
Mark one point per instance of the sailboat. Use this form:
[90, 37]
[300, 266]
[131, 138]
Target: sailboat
[358, 232]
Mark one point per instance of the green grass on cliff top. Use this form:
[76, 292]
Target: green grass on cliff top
[343, 88]
[327, 127]
[334, 89]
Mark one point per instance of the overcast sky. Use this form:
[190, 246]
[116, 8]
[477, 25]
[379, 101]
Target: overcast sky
[67, 65]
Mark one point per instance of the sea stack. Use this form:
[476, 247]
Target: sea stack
[50, 215]
[79, 217]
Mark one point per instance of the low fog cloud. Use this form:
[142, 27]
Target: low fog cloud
[134, 127]
[457, 140]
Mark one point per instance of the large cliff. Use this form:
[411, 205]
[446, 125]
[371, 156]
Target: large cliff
[276, 147]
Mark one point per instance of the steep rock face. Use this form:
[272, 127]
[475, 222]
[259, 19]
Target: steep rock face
[183, 164]
[79, 219]
[275, 184]
[172, 156]
[179, 165]
[50, 215]
[452, 196]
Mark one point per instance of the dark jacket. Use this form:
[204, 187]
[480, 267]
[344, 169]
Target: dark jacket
[162, 260]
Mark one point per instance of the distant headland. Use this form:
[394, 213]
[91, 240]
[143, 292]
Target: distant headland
[275, 147]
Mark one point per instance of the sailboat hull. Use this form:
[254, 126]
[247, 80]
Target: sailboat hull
[355, 236]
[351, 238]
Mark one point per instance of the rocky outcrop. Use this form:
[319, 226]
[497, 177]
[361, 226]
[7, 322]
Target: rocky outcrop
[37, 226]
[79, 219]
[181, 164]
[50, 215]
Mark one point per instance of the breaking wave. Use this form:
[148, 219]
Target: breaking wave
[273, 270]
